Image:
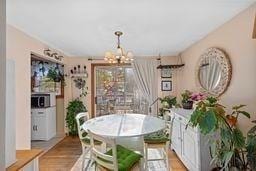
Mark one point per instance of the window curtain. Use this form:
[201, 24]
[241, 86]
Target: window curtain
[146, 78]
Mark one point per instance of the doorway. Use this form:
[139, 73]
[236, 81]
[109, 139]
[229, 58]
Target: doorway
[115, 91]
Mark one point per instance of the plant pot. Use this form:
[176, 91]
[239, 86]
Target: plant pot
[216, 169]
[187, 105]
[57, 79]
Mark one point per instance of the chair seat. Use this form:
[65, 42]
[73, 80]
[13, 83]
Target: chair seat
[86, 140]
[156, 138]
[126, 158]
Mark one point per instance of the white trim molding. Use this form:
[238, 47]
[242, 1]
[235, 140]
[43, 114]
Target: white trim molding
[2, 81]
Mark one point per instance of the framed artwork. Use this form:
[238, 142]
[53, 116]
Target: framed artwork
[166, 85]
[166, 73]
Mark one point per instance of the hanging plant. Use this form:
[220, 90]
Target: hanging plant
[53, 75]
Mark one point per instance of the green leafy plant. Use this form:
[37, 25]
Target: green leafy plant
[167, 102]
[74, 107]
[186, 96]
[187, 102]
[251, 147]
[53, 75]
[229, 148]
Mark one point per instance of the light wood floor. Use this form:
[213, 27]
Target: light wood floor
[63, 156]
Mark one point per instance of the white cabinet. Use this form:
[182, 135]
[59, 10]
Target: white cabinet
[176, 143]
[43, 123]
[190, 146]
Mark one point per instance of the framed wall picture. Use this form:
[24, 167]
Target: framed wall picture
[166, 73]
[166, 85]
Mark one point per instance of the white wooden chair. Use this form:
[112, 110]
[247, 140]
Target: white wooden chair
[84, 137]
[159, 140]
[116, 159]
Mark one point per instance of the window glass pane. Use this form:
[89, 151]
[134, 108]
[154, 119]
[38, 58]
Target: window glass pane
[117, 92]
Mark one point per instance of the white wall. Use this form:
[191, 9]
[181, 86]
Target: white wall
[74, 61]
[10, 143]
[2, 81]
[19, 48]
[235, 37]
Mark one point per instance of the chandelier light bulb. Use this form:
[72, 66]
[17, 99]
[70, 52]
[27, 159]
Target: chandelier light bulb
[108, 54]
[121, 56]
[129, 54]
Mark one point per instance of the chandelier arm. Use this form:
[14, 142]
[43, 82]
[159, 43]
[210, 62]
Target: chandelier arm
[118, 41]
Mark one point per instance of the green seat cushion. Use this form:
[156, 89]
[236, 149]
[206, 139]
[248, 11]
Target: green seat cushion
[87, 140]
[126, 158]
[157, 137]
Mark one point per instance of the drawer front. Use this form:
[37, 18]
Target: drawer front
[185, 121]
[38, 112]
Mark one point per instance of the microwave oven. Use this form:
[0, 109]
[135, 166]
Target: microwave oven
[43, 100]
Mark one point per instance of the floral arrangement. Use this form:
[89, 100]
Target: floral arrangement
[198, 96]
[186, 96]
[167, 102]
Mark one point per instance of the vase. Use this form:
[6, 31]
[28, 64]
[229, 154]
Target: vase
[187, 105]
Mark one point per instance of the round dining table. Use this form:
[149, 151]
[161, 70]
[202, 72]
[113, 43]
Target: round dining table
[124, 125]
[127, 129]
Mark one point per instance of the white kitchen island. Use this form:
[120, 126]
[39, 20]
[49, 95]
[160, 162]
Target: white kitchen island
[189, 144]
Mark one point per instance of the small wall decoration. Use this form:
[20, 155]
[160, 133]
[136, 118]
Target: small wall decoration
[79, 76]
[166, 73]
[53, 54]
[166, 85]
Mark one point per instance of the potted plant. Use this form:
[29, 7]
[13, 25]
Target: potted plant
[196, 97]
[53, 75]
[229, 148]
[166, 103]
[74, 107]
[187, 103]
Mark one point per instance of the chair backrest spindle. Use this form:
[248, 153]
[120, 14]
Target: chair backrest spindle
[85, 116]
[105, 160]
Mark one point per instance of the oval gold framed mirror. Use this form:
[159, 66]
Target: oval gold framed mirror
[214, 72]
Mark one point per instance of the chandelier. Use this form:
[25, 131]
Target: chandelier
[120, 56]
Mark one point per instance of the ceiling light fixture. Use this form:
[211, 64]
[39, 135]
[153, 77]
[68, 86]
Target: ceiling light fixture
[121, 56]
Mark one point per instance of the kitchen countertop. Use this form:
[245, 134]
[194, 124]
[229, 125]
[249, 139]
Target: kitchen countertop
[182, 112]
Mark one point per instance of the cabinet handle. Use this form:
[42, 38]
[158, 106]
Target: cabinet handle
[40, 112]
[36, 127]
[180, 138]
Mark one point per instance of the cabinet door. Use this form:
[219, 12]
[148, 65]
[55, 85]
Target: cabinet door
[176, 139]
[39, 128]
[33, 129]
[189, 147]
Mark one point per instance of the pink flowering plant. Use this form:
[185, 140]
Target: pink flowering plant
[198, 96]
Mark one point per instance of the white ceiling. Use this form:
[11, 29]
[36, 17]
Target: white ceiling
[86, 27]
